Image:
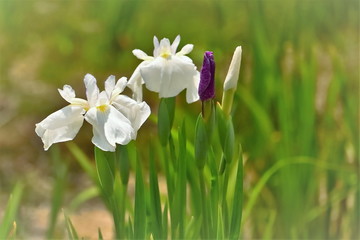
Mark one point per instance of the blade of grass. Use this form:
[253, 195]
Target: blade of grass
[83, 196]
[60, 172]
[280, 164]
[83, 160]
[11, 210]
[100, 236]
[73, 235]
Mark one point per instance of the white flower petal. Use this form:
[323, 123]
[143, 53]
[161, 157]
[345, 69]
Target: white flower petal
[67, 93]
[165, 43]
[119, 87]
[100, 141]
[110, 85]
[185, 50]
[80, 102]
[156, 46]
[60, 126]
[141, 55]
[165, 48]
[185, 58]
[152, 74]
[234, 70]
[136, 81]
[192, 94]
[136, 112]
[175, 44]
[168, 77]
[102, 100]
[110, 125]
[92, 90]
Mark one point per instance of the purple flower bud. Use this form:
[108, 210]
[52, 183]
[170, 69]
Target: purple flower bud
[207, 74]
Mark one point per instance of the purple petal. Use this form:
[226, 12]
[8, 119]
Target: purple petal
[207, 77]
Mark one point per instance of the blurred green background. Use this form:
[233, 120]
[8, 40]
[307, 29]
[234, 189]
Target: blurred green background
[298, 96]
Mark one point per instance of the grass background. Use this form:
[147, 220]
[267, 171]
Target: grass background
[296, 110]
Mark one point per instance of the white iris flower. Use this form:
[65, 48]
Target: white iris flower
[115, 118]
[167, 72]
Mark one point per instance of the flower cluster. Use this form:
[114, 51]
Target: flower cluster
[167, 72]
[116, 118]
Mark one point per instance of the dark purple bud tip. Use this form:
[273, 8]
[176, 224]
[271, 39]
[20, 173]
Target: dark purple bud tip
[207, 77]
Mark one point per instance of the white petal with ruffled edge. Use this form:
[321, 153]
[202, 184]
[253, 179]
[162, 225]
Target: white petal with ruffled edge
[111, 127]
[135, 82]
[192, 94]
[60, 126]
[109, 85]
[100, 141]
[67, 93]
[119, 88]
[136, 112]
[92, 90]
[141, 55]
[169, 78]
[185, 50]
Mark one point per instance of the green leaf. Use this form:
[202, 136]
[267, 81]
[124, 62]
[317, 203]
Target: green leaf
[11, 210]
[221, 125]
[130, 229]
[165, 221]
[118, 206]
[214, 192]
[105, 166]
[122, 160]
[220, 225]
[237, 200]
[178, 207]
[193, 228]
[205, 206]
[140, 205]
[155, 204]
[229, 141]
[166, 114]
[201, 142]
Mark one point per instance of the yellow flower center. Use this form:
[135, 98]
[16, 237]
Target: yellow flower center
[165, 54]
[102, 108]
